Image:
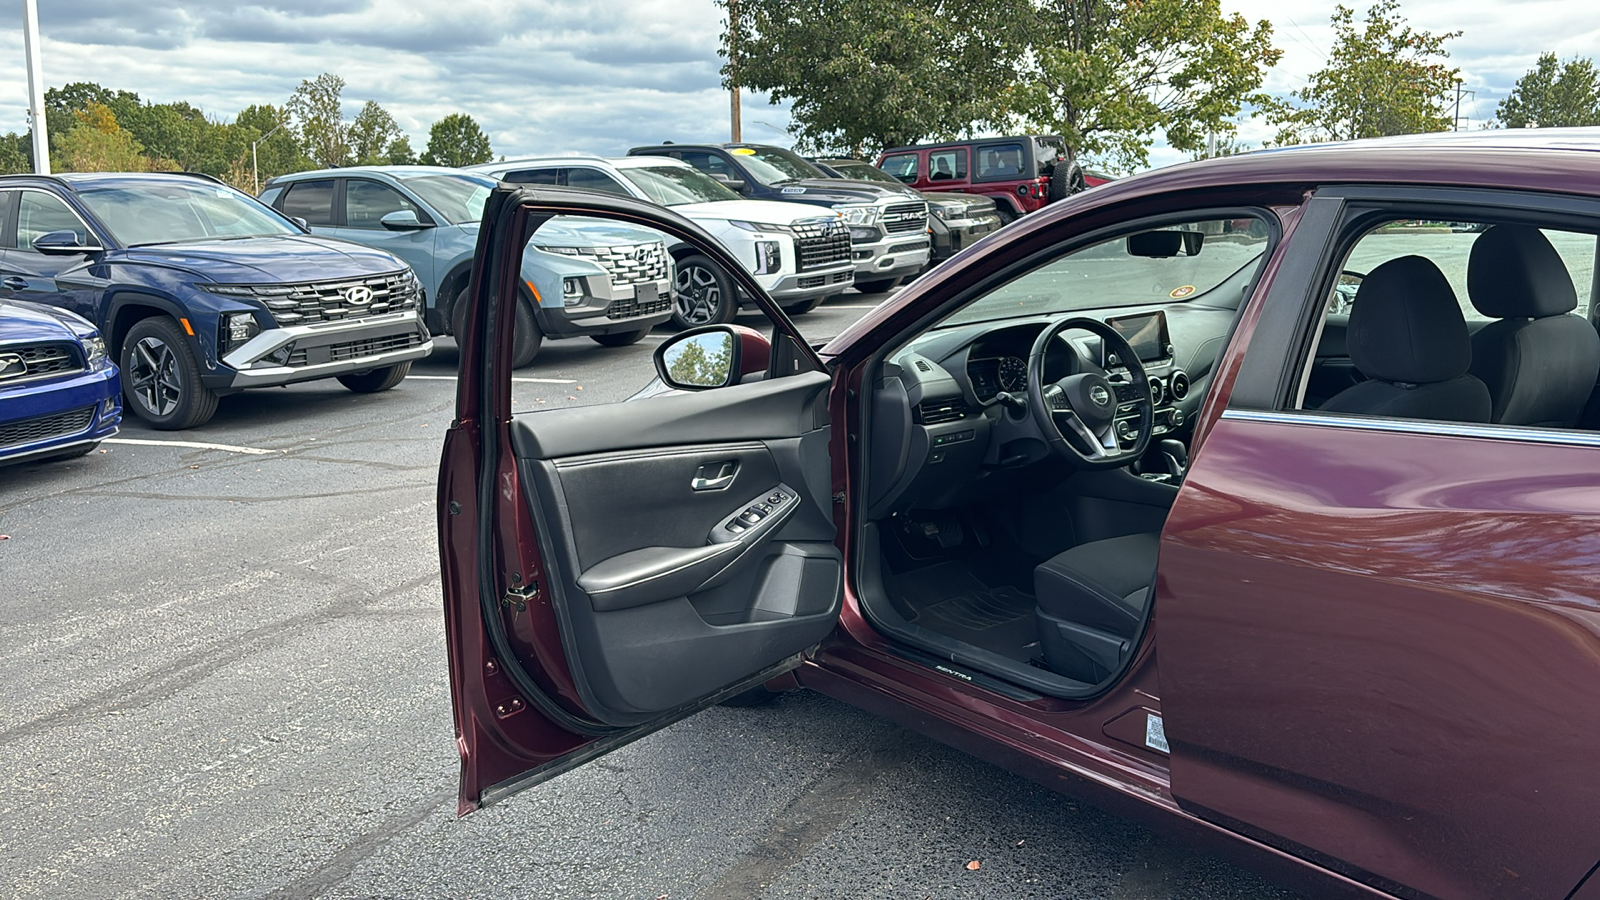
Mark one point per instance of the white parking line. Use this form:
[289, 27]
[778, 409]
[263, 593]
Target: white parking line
[194, 445]
[523, 380]
[851, 306]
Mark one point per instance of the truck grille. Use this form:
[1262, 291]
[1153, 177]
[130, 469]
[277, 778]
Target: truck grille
[331, 301]
[43, 428]
[630, 263]
[816, 281]
[38, 361]
[903, 218]
[821, 242]
[631, 307]
[348, 350]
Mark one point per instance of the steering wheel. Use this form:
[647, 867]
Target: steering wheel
[1078, 414]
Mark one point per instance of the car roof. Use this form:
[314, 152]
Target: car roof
[616, 162]
[969, 142]
[74, 179]
[370, 170]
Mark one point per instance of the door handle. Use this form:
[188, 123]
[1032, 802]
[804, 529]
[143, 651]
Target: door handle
[715, 476]
[15, 283]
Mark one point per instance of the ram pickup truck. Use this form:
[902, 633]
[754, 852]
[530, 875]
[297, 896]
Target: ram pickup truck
[955, 221]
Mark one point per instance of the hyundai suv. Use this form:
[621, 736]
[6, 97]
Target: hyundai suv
[888, 227]
[799, 254]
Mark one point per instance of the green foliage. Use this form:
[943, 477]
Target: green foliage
[278, 152]
[1383, 78]
[456, 140]
[371, 133]
[703, 360]
[871, 74]
[399, 152]
[16, 153]
[1108, 75]
[319, 120]
[96, 143]
[1553, 95]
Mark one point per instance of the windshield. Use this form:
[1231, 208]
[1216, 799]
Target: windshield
[677, 185]
[861, 171]
[1211, 255]
[165, 212]
[458, 198]
[771, 165]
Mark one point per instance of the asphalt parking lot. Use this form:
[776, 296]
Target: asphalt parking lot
[223, 675]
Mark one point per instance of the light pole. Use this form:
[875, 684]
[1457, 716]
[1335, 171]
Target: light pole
[255, 171]
[30, 43]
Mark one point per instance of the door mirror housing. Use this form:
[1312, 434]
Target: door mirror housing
[712, 357]
[403, 220]
[301, 221]
[63, 243]
[729, 182]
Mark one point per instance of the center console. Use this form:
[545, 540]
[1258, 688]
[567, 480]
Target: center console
[1147, 334]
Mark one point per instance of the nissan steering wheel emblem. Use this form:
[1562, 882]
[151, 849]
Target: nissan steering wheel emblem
[12, 365]
[1099, 395]
[360, 295]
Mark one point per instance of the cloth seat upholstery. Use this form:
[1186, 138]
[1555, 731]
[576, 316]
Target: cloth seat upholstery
[1091, 602]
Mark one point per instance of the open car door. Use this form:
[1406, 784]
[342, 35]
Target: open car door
[608, 570]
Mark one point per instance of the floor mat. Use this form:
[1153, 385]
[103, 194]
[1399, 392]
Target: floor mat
[949, 599]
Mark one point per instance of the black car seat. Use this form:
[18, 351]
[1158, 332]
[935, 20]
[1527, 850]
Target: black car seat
[1539, 362]
[942, 170]
[1408, 337]
[1091, 602]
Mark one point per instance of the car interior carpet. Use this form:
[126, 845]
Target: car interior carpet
[947, 598]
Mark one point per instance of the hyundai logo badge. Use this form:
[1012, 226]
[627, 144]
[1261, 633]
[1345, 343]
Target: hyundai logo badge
[360, 295]
[1099, 395]
[642, 255]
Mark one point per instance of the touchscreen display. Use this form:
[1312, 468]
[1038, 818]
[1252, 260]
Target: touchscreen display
[1147, 334]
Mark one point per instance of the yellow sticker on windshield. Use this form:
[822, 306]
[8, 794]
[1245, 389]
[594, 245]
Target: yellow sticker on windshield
[1178, 293]
[742, 151]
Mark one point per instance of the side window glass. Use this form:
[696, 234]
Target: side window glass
[902, 166]
[270, 196]
[594, 180]
[310, 200]
[533, 176]
[1470, 322]
[709, 163]
[367, 202]
[1000, 161]
[39, 213]
[944, 165]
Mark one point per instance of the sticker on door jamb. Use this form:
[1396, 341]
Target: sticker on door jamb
[1155, 733]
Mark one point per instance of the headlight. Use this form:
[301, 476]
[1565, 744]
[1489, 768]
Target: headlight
[863, 235]
[94, 348]
[237, 328]
[572, 291]
[564, 251]
[858, 215]
[768, 257]
[758, 226]
[941, 212]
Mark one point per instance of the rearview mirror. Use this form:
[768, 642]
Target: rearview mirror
[712, 357]
[403, 220]
[729, 182]
[63, 243]
[1162, 244]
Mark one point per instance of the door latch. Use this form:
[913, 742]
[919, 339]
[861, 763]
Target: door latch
[715, 476]
[519, 595]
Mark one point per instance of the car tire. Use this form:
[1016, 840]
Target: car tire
[458, 315]
[881, 286]
[528, 340]
[372, 381]
[160, 378]
[1007, 213]
[619, 338]
[804, 306]
[702, 294]
[1065, 180]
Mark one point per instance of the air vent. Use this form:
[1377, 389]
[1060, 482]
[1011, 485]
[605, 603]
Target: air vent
[1156, 391]
[922, 366]
[1180, 385]
[934, 412]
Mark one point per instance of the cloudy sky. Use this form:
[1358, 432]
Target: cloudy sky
[593, 75]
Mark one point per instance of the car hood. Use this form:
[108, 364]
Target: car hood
[841, 190]
[22, 322]
[971, 204]
[577, 231]
[765, 211]
[277, 259]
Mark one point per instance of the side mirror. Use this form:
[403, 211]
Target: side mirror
[1344, 293]
[713, 356]
[63, 243]
[729, 182]
[403, 220]
[1162, 244]
[301, 221]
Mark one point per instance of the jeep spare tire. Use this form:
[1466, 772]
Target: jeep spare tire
[1066, 179]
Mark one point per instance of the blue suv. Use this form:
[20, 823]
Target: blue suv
[607, 281]
[201, 291]
[58, 389]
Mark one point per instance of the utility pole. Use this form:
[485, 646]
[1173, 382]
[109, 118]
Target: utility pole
[30, 47]
[1457, 120]
[733, 69]
[255, 171]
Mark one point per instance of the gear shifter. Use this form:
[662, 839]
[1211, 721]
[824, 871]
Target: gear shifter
[1177, 457]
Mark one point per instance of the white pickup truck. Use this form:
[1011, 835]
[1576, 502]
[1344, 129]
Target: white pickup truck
[800, 254]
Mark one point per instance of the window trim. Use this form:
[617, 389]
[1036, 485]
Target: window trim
[13, 225]
[335, 209]
[1425, 427]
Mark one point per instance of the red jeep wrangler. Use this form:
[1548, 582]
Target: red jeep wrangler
[1021, 173]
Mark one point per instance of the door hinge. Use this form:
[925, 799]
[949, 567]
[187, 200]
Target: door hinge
[519, 595]
[839, 497]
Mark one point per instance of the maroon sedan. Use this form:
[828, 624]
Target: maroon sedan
[1256, 499]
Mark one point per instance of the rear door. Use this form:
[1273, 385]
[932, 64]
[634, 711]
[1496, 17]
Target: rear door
[602, 573]
[72, 281]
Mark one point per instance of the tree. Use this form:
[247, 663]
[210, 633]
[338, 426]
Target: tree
[60, 103]
[319, 120]
[1553, 95]
[278, 151]
[96, 143]
[399, 152]
[871, 74]
[1108, 75]
[456, 140]
[16, 153]
[1383, 79]
[371, 133]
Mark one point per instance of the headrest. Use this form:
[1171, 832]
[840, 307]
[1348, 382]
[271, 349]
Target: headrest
[1406, 325]
[1514, 272]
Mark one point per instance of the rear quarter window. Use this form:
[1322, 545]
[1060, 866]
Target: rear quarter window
[902, 166]
[310, 200]
[1000, 162]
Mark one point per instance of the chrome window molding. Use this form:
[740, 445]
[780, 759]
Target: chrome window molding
[1420, 427]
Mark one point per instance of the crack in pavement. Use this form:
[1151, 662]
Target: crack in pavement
[346, 861]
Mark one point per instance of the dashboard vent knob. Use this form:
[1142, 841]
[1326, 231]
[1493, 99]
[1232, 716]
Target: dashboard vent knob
[1180, 385]
[1156, 391]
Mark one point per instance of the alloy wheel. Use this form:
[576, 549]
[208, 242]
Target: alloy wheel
[698, 295]
[155, 376]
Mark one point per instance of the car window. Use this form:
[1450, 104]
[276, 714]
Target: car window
[1000, 161]
[270, 195]
[367, 202]
[774, 165]
[863, 171]
[309, 200]
[533, 176]
[677, 185]
[39, 214]
[1211, 260]
[1047, 150]
[903, 166]
[945, 165]
[458, 197]
[587, 179]
[709, 163]
[168, 210]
